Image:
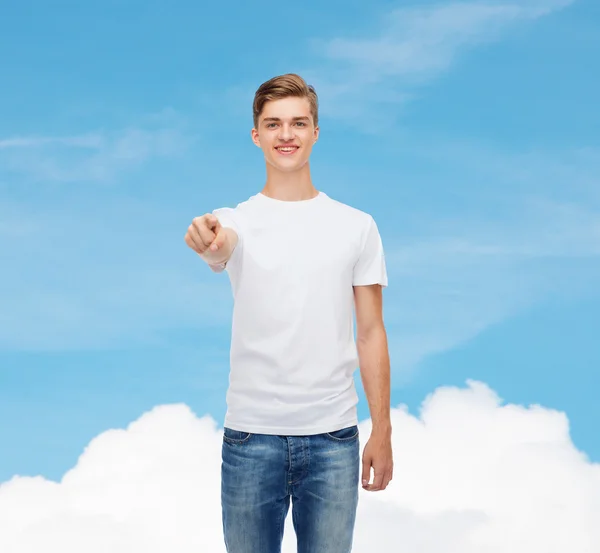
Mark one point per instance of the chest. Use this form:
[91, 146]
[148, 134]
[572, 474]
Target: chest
[301, 248]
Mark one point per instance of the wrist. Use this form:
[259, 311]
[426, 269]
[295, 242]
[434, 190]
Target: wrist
[383, 429]
[211, 259]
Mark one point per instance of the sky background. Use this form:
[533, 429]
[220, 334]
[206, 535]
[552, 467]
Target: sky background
[470, 131]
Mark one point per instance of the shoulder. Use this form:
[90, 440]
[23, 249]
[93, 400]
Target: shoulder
[356, 217]
[239, 212]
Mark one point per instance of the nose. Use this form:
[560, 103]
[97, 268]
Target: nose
[285, 132]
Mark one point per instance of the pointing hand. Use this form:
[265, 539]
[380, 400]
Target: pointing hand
[205, 234]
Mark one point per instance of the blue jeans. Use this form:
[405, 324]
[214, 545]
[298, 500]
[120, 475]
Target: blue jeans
[260, 474]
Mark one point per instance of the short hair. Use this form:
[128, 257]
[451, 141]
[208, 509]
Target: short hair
[284, 86]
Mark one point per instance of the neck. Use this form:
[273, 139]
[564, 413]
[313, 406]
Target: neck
[291, 187]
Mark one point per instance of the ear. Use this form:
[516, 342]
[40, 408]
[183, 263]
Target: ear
[316, 133]
[255, 137]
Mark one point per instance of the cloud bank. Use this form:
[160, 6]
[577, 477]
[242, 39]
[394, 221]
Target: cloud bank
[472, 475]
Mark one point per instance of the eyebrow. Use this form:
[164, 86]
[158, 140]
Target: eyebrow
[303, 118]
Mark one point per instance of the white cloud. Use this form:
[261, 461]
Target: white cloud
[82, 141]
[99, 156]
[420, 40]
[413, 46]
[472, 475]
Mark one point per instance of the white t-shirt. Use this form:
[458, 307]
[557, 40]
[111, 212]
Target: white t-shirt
[293, 353]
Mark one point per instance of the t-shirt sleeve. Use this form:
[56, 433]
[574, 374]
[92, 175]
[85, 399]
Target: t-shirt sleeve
[370, 268]
[229, 218]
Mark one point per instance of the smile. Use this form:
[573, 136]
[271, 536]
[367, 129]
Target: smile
[287, 150]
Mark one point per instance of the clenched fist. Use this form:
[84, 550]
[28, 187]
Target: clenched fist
[211, 241]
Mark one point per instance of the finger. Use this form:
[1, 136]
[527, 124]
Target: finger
[212, 222]
[203, 232]
[366, 472]
[386, 481]
[377, 480]
[192, 239]
[219, 241]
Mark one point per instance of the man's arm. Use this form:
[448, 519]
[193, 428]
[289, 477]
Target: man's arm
[374, 361]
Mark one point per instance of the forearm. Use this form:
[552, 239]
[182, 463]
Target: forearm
[374, 364]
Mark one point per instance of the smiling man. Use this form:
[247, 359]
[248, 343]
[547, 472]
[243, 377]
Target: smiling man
[299, 263]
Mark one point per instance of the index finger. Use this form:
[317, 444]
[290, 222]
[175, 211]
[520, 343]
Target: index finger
[211, 220]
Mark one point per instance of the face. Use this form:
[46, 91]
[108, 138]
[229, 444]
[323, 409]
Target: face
[286, 133]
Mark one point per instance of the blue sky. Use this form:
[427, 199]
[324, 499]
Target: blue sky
[469, 131]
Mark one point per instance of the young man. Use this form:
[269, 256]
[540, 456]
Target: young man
[299, 262]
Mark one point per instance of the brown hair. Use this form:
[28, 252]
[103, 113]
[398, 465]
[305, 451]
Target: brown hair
[285, 86]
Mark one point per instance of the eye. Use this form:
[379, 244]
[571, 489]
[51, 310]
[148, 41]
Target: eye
[301, 123]
[271, 125]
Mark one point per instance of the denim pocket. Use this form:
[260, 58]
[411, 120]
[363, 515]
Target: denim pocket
[344, 435]
[235, 436]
